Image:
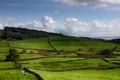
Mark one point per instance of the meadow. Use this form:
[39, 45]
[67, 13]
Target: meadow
[8, 71]
[112, 74]
[68, 65]
[75, 44]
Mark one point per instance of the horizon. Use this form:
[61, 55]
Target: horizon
[102, 37]
[74, 18]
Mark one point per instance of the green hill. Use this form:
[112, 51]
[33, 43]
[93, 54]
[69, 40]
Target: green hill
[23, 33]
[65, 43]
[26, 38]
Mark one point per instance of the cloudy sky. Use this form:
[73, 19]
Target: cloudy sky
[89, 18]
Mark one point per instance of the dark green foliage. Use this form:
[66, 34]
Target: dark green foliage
[91, 50]
[115, 41]
[79, 49]
[13, 55]
[12, 33]
[116, 48]
[106, 52]
[24, 51]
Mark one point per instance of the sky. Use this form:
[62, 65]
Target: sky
[86, 18]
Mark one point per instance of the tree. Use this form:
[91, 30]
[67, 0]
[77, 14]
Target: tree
[106, 52]
[13, 55]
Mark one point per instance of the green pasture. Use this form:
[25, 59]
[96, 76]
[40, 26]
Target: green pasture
[3, 55]
[3, 43]
[48, 60]
[9, 71]
[41, 43]
[7, 65]
[115, 60]
[28, 56]
[73, 43]
[65, 44]
[1, 32]
[68, 64]
[14, 74]
[4, 49]
[112, 74]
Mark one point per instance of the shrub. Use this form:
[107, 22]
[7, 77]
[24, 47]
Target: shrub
[106, 52]
[13, 55]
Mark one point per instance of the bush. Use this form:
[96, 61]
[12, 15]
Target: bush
[13, 55]
[106, 52]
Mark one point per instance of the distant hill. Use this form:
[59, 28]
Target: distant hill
[115, 41]
[23, 33]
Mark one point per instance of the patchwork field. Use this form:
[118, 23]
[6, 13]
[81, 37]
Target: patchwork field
[113, 74]
[65, 44]
[8, 71]
[77, 59]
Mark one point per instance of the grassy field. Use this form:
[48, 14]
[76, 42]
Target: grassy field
[8, 71]
[1, 32]
[113, 74]
[61, 66]
[7, 65]
[28, 56]
[3, 43]
[3, 56]
[41, 43]
[71, 44]
[58, 64]
[14, 74]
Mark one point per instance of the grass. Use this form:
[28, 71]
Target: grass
[116, 52]
[4, 49]
[67, 64]
[112, 74]
[9, 71]
[72, 43]
[27, 56]
[3, 55]
[114, 60]
[7, 65]
[1, 32]
[14, 74]
[3, 43]
[49, 60]
[32, 43]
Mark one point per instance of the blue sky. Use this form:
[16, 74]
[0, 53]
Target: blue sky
[71, 17]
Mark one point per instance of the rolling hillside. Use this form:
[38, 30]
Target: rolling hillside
[65, 43]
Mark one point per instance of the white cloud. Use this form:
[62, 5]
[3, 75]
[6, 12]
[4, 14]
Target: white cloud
[99, 3]
[13, 18]
[12, 4]
[75, 27]
[56, 12]
[1, 26]
[46, 24]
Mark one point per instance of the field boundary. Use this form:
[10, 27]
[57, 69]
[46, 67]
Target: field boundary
[29, 71]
